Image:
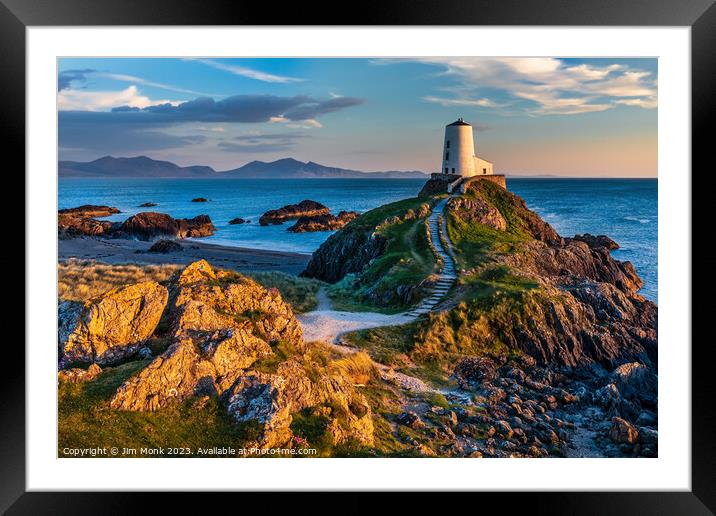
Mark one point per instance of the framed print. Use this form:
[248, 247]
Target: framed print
[440, 248]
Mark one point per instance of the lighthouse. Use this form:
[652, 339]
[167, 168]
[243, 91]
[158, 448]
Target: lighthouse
[459, 152]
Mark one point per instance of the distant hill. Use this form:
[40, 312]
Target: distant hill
[142, 166]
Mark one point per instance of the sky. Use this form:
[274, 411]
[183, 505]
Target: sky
[531, 116]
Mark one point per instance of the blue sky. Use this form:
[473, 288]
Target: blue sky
[570, 117]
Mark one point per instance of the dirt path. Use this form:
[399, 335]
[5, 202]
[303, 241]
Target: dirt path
[328, 325]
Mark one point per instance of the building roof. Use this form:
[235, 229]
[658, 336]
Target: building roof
[459, 121]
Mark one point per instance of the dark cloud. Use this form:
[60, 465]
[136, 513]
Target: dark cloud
[238, 108]
[128, 129]
[67, 77]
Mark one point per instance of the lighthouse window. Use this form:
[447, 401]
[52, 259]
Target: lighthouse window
[447, 144]
[484, 171]
[446, 170]
[447, 156]
[453, 170]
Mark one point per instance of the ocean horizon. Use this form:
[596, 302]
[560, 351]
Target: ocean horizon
[626, 210]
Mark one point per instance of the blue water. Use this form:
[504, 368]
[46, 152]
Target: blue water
[623, 209]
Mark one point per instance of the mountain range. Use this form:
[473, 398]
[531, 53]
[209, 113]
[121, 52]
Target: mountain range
[287, 168]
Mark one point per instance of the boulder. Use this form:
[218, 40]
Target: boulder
[323, 222]
[110, 327]
[237, 220]
[200, 199]
[165, 246]
[306, 208]
[623, 432]
[411, 420]
[637, 382]
[148, 205]
[148, 225]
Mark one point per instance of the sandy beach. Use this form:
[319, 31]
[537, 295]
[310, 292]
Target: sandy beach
[116, 251]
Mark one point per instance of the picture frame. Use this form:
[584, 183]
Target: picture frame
[17, 15]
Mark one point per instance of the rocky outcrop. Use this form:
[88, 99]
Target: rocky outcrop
[355, 246]
[476, 210]
[89, 210]
[149, 225]
[148, 205]
[200, 199]
[270, 399]
[165, 246]
[348, 251]
[111, 327]
[81, 221]
[69, 225]
[238, 220]
[221, 324]
[323, 222]
[306, 208]
[597, 241]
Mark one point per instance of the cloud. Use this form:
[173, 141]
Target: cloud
[67, 77]
[144, 82]
[83, 100]
[235, 109]
[543, 85]
[261, 143]
[646, 103]
[483, 102]
[247, 72]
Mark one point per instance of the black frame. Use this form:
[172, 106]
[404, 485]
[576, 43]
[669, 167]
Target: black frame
[700, 15]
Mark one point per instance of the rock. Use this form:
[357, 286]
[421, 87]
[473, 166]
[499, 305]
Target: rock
[646, 418]
[237, 220]
[69, 225]
[200, 199]
[148, 225]
[222, 323]
[504, 428]
[110, 327]
[410, 419]
[622, 431]
[89, 211]
[269, 399]
[205, 364]
[636, 381]
[648, 437]
[323, 222]
[470, 372]
[165, 246]
[78, 375]
[306, 208]
[597, 241]
[148, 205]
[476, 210]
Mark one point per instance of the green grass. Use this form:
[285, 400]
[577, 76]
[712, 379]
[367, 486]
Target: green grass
[389, 345]
[86, 421]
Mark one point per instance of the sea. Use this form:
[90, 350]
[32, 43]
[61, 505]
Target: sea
[623, 209]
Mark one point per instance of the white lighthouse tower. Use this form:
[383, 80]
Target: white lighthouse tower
[459, 152]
